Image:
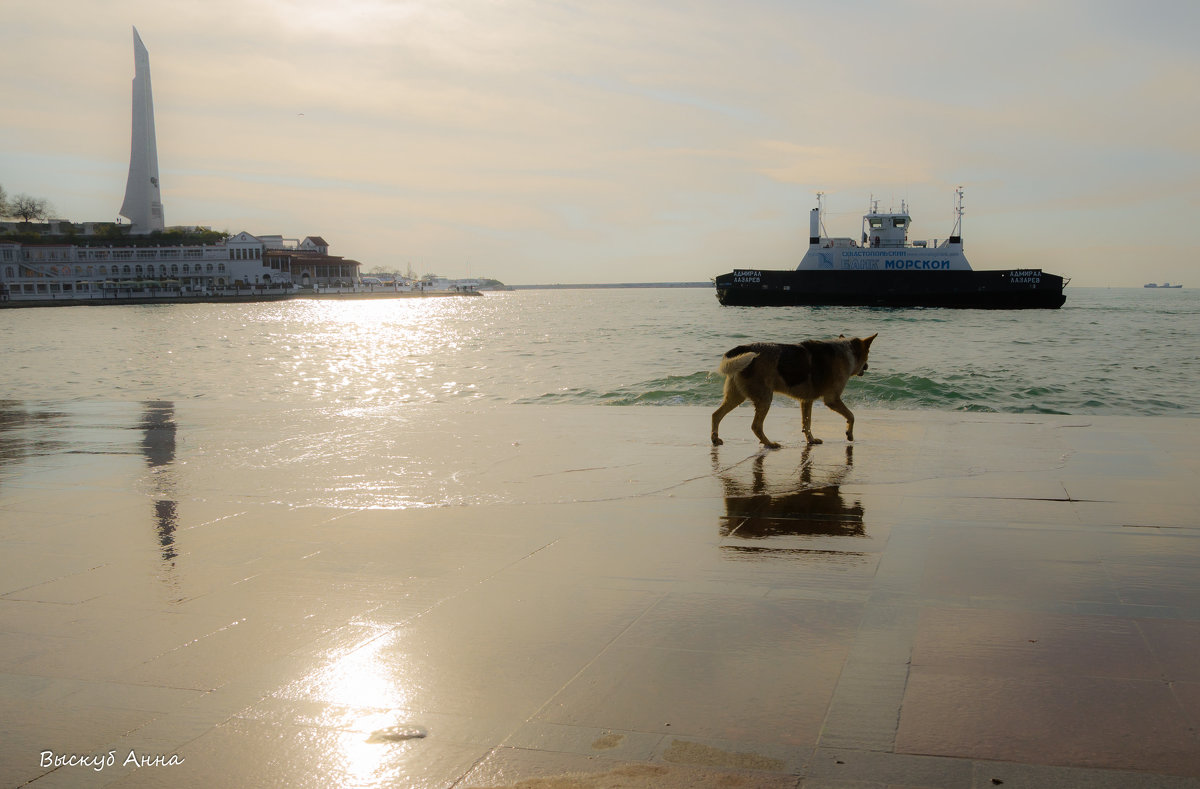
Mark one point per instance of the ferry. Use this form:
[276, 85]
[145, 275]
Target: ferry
[885, 269]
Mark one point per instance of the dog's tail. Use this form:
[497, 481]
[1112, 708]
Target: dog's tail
[734, 364]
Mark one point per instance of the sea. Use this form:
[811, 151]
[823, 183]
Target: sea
[1128, 352]
[397, 404]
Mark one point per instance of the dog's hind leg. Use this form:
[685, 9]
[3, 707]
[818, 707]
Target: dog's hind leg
[762, 404]
[840, 407]
[806, 412]
[733, 398]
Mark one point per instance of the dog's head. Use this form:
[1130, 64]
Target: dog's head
[861, 347]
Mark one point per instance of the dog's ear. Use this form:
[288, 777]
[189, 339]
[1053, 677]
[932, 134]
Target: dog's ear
[867, 340]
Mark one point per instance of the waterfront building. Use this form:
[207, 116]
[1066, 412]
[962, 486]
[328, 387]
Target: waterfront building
[45, 269]
[96, 260]
[308, 263]
[435, 282]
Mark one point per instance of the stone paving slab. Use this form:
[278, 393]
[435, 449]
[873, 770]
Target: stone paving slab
[587, 596]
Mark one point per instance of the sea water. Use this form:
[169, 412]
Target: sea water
[420, 402]
[1106, 352]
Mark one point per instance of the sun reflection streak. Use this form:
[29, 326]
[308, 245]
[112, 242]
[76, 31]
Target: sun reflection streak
[362, 690]
[381, 352]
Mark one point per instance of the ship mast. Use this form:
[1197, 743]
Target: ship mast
[956, 234]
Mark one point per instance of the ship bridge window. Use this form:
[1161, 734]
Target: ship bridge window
[899, 221]
[876, 222]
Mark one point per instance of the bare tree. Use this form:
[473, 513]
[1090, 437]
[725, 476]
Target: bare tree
[29, 208]
[3, 203]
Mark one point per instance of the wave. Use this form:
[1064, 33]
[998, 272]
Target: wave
[894, 391]
[700, 388]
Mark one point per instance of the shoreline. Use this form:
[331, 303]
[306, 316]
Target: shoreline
[228, 299]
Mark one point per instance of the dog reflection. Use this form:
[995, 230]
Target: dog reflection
[158, 433]
[806, 504]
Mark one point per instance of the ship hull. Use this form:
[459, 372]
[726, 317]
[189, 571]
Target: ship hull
[1003, 290]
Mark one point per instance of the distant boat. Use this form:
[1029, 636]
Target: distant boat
[1164, 285]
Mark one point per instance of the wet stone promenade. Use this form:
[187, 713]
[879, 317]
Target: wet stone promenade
[202, 594]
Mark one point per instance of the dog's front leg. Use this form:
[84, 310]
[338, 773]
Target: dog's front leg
[806, 411]
[840, 407]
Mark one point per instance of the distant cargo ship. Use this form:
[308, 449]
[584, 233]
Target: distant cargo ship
[886, 270]
[1164, 285]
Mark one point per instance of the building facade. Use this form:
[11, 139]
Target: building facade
[63, 265]
[243, 262]
[308, 263]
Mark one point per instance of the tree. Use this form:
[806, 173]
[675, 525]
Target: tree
[3, 203]
[108, 231]
[29, 208]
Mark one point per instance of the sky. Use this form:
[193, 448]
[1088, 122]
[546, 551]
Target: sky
[599, 141]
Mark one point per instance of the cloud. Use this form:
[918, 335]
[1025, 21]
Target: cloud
[849, 168]
[612, 140]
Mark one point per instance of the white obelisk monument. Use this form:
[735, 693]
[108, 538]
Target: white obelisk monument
[143, 203]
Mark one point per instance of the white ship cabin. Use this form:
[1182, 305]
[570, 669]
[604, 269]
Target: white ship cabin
[884, 244]
[887, 229]
[436, 282]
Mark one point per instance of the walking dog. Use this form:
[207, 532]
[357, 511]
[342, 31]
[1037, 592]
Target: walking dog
[807, 371]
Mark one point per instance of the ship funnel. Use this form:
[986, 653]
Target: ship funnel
[814, 227]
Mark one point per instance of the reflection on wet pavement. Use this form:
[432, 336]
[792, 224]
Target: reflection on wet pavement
[20, 436]
[803, 502]
[473, 598]
[158, 449]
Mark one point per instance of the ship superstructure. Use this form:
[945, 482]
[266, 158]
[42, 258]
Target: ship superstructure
[884, 244]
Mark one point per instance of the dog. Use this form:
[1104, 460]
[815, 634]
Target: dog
[806, 371]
